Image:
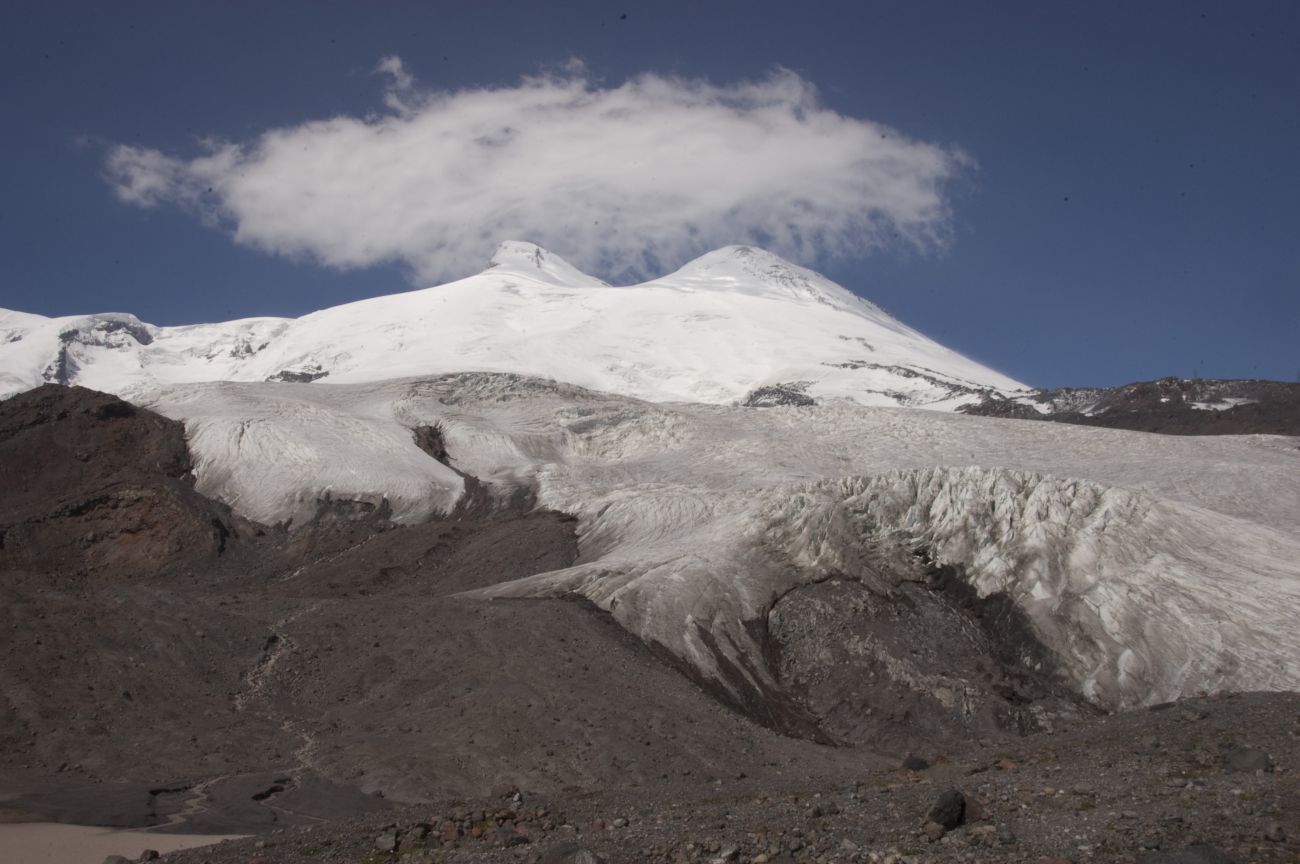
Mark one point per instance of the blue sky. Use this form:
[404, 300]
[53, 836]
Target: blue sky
[1117, 182]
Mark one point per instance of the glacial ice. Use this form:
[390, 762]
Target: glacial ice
[1151, 566]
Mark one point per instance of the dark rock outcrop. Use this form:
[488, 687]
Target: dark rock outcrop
[1170, 406]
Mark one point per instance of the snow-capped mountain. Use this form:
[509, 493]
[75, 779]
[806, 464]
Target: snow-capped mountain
[1149, 568]
[738, 323]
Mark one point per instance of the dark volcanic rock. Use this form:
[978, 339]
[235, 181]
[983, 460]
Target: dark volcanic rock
[950, 810]
[778, 394]
[93, 484]
[1171, 406]
[929, 664]
[299, 376]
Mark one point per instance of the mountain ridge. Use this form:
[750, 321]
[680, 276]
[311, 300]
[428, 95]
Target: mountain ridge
[715, 330]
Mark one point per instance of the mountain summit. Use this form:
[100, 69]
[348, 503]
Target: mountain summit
[759, 273]
[737, 324]
[532, 261]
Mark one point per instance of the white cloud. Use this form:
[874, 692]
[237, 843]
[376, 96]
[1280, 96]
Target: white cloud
[401, 85]
[626, 180]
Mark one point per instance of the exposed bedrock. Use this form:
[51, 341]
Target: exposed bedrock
[93, 484]
[924, 665]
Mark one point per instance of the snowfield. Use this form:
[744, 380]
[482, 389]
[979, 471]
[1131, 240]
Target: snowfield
[1152, 566]
[732, 321]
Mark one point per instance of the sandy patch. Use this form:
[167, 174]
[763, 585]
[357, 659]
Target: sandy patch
[53, 843]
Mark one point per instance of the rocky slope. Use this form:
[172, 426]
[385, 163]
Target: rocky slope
[245, 676]
[1170, 406]
[1204, 781]
[703, 649]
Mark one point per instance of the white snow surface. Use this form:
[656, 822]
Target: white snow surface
[731, 321]
[1153, 566]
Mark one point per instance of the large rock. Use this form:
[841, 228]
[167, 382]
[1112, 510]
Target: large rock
[950, 810]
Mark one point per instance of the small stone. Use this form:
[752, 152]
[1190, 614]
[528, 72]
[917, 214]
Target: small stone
[915, 763]
[1004, 765]
[1247, 759]
[1274, 833]
[933, 831]
[567, 853]
[950, 810]
[1006, 836]
[386, 842]
[620, 822]
[1198, 854]
[509, 837]
[149, 855]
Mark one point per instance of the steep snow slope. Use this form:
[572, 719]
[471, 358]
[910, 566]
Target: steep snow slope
[732, 321]
[1152, 567]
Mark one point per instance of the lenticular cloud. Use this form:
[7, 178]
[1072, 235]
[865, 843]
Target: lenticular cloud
[622, 180]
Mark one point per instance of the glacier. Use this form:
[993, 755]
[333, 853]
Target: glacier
[1152, 567]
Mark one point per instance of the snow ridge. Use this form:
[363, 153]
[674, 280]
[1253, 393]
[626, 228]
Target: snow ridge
[731, 322]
